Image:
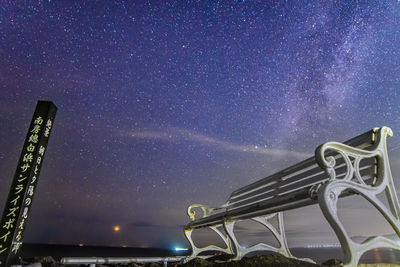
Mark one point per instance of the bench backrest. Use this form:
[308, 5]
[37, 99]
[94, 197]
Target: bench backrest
[290, 187]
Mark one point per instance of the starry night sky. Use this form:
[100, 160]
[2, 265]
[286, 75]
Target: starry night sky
[162, 104]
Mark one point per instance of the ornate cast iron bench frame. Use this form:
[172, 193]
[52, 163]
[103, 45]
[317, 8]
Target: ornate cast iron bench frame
[357, 166]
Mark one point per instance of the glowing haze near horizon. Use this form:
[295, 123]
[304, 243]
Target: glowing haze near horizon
[168, 103]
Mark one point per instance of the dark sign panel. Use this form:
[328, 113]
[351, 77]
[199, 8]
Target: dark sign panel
[23, 187]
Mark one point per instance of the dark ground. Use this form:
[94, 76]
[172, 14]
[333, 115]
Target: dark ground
[274, 260]
[59, 251]
[255, 261]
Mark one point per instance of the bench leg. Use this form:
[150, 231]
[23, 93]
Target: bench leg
[236, 248]
[328, 197]
[279, 234]
[196, 250]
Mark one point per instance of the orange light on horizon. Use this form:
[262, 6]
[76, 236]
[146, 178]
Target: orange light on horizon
[117, 228]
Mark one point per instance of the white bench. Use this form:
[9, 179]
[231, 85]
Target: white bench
[357, 166]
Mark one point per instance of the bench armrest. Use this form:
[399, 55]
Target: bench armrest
[328, 162]
[205, 209]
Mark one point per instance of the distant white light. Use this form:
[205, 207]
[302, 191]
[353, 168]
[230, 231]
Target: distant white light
[324, 246]
[181, 249]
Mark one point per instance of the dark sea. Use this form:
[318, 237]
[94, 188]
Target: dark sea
[30, 251]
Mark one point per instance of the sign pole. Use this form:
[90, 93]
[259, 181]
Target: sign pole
[23, 187]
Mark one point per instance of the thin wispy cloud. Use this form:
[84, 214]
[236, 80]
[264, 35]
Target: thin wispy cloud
[177, 135]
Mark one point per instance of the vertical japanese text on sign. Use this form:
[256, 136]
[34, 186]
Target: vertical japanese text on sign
[20, 197]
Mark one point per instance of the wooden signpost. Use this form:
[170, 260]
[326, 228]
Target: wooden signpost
[23, 187]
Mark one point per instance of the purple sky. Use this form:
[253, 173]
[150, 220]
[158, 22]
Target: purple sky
[162, 104]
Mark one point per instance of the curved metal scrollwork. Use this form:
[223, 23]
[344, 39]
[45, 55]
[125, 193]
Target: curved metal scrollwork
[205, 209]
[196, 250]
[329, 192]
[232, 244]
[278, 232]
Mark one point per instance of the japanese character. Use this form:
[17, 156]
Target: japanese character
[28, 157]
[9, 224]
[21, 224]
[30, 190]
[25, 213]
[47, 132]
[18, 189]
[15, 247]
[30, 148]
[38, 160]
[49, 123]
[19, 236]
[33, 138]
[28, 201]
[2, 250]
[14, 201]
[33, 179]
[41, 150]
[12, 212]
[4, 237]
[36, 169]
[21, 178]
[35, 129]
[25, 167]
[39, 120]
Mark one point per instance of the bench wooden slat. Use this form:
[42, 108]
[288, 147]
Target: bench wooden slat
[303, 165]
[277, 204]
[282, 202]
[301, 176]
[363, 141]
[290, 187]
[298, 167]
[311, 170]
[293, 185]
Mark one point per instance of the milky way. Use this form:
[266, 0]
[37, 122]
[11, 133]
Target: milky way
[165, 104]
